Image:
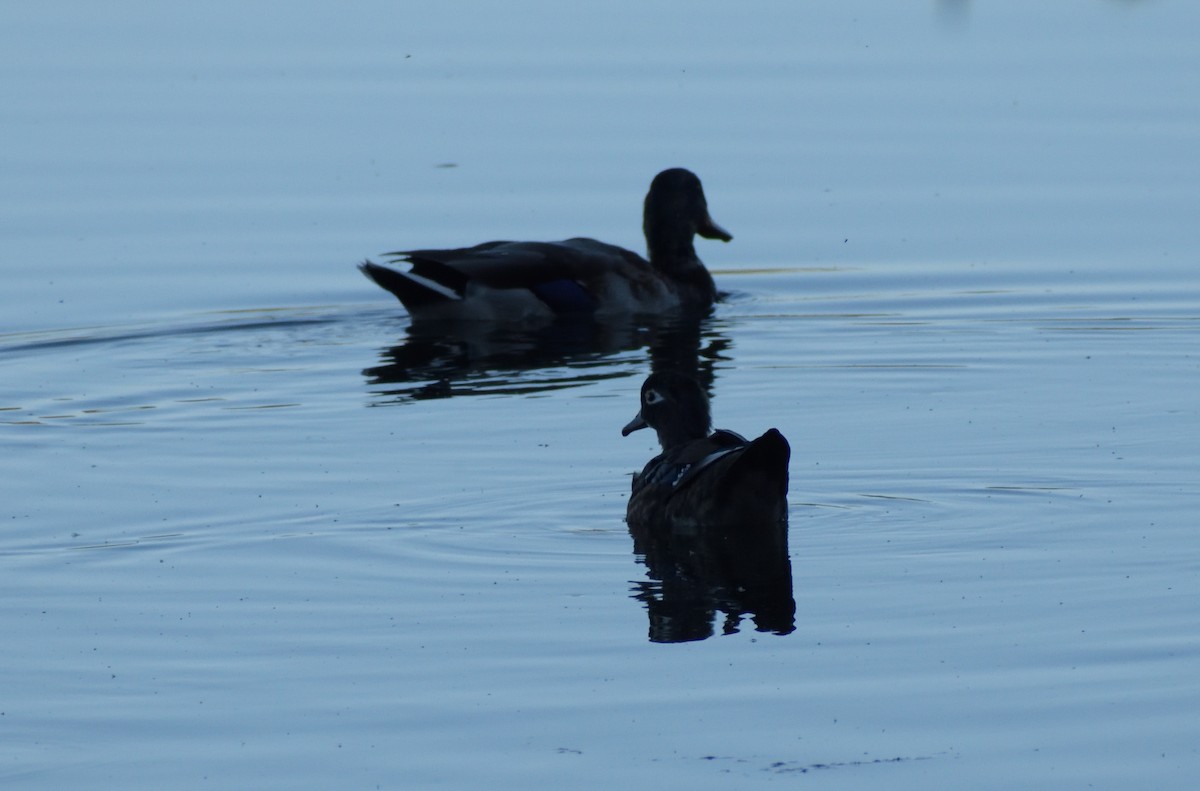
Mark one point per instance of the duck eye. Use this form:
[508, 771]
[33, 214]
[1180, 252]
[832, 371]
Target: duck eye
[653, 397]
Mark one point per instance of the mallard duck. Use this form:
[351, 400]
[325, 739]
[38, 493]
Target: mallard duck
[702, 478]
[531, 280]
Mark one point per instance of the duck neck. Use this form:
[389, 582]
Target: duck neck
[687, 428]
[675, 257]
[671, 253]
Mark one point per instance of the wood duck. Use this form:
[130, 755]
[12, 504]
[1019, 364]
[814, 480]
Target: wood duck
[702, 478]
[516, 281]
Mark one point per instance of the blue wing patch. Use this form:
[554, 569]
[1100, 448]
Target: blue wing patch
[565, 296]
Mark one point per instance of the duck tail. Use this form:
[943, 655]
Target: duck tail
[413, 291]
[765, 463]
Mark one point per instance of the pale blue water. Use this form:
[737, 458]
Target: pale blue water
[256, 533]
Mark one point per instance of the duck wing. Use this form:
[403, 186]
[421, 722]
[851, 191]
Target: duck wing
[673, 470]
[567, 276]
[517, 264]
[721, 479]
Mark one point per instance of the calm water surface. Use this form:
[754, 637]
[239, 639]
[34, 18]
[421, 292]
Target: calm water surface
[259, 532]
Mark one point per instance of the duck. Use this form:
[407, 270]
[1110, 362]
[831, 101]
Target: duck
[516, 281]
[703, 478]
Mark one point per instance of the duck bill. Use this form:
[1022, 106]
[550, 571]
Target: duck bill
[710, 230]
[634, 425]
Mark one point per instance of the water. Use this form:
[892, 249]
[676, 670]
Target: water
[258, 531]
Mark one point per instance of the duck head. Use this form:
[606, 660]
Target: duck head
[675, 406]
[675, 211]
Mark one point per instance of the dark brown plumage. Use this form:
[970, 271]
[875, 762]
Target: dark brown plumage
[527, 280]
[702, 478]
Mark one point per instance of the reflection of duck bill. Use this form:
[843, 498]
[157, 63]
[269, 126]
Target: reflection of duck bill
[516, 281]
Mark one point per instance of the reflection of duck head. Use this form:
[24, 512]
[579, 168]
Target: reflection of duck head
[709, 516]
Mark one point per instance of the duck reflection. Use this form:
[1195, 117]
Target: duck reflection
[445, 359]
[697, 571]
[708, 516]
